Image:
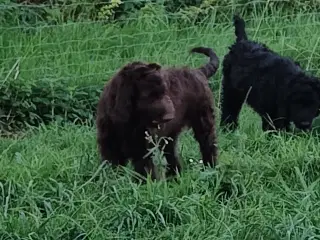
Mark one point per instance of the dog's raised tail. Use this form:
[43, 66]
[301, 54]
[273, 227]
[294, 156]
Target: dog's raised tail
[212, 66]
[240, 28]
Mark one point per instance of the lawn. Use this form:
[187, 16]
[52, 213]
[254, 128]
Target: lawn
[51, 186]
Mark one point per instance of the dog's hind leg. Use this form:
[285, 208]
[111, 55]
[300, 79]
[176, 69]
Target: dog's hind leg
[231, 103]
[109, 149]
[203, 126]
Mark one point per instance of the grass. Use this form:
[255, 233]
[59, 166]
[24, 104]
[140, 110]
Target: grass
[52, 188]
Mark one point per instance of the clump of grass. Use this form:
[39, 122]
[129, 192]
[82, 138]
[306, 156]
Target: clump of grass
[157, 152]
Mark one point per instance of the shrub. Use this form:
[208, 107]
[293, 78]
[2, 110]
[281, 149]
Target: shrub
[199, 10]
[57, 11]
[44, 101]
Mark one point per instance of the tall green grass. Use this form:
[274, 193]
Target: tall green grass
[89, 53]
[51, 186]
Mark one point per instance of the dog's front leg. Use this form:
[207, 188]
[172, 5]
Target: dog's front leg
[281, 121]
[170, 152]
[143, 164]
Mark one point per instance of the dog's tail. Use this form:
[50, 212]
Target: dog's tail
[240, 28]
[212, 66]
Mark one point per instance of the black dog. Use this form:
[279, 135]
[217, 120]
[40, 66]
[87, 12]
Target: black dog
[275, 87]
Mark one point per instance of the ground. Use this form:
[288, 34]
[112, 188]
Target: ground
[52, 188]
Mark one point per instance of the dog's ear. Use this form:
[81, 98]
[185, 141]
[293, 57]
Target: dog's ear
[154, 66]
[122, 91]
[132, 70]
[146, 69]
[135, 70]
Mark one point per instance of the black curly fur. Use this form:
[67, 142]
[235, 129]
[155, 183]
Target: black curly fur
[276, 87]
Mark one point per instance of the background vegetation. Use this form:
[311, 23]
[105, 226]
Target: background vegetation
[55, 57]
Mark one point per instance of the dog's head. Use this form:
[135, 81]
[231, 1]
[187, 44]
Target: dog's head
[141, 95]
[304, 103]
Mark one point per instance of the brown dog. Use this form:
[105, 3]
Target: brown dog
[145, 96]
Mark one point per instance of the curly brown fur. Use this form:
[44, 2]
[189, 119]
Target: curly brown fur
[276, 87]
[142, 96]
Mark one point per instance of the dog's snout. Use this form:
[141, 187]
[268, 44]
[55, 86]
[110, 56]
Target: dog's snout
[168, 117]
[169, 110]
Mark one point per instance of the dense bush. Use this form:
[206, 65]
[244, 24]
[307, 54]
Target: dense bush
[44, 101]
[57, 11]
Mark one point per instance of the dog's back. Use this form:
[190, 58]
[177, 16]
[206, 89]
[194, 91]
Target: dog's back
[276, 87]
[250, 63]
[189, 90]
[190, 85]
